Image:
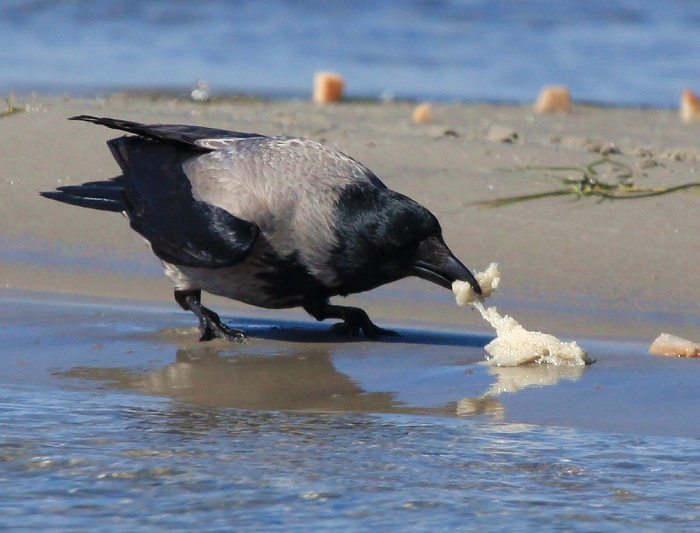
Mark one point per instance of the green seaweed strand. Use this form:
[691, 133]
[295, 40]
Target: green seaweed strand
[589, 184]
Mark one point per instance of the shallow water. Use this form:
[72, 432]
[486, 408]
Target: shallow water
[72, 459]
[116, 416]
[631, 52]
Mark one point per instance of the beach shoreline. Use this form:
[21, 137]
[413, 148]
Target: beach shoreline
[97, 345]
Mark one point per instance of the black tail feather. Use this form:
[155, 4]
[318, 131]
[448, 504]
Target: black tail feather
[102, 195]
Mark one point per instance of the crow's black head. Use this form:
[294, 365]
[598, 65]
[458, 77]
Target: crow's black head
[384, 236]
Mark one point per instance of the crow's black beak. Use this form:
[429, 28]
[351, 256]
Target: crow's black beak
[435, 262]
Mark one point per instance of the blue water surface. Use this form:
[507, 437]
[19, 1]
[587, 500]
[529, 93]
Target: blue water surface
[114, 418]
[79, 461]
[615, 52]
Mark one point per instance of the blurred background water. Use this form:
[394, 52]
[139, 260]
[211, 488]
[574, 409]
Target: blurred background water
[625, 52]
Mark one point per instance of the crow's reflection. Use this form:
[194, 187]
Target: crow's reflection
[299, 380]
[204, 374]
[279, 375]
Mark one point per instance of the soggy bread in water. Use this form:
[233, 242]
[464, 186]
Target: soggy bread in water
[514, 345]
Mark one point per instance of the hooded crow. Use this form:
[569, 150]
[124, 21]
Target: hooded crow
[275, 222]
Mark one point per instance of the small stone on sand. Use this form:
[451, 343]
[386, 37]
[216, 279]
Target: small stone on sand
[553, 98]
[422, 114]
[644, 152]
[609, 149]
[501, 134]
[201, 92]
[328, 87]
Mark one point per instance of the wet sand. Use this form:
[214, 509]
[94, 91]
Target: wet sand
[611, 274]
[299, 366]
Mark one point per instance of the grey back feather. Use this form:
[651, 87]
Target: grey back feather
[288, 187]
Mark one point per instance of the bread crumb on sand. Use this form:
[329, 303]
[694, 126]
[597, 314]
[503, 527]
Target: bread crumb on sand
[670, 345]
[422, 114]
[690, 107]
[553, 99]
[328, 87]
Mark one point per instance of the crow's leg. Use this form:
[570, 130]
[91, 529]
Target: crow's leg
[354, 320]
[210, 324]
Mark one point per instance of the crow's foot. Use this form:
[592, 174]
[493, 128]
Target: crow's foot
[370, 329]
[210, 325]
[354, 321]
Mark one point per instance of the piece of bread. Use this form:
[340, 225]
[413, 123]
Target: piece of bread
[422, 114]
[328, 87]
[553, 98]
[690, 107]
[488, 280]
[670, 345]
[514, 345]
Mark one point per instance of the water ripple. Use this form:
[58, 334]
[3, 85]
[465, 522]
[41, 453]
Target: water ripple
[70, 458]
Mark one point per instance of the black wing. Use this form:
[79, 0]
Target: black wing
[159, 203]
[175, 133]
[157, 197]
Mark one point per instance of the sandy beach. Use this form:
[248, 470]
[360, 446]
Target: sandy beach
[99, 359]
[558, 255]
